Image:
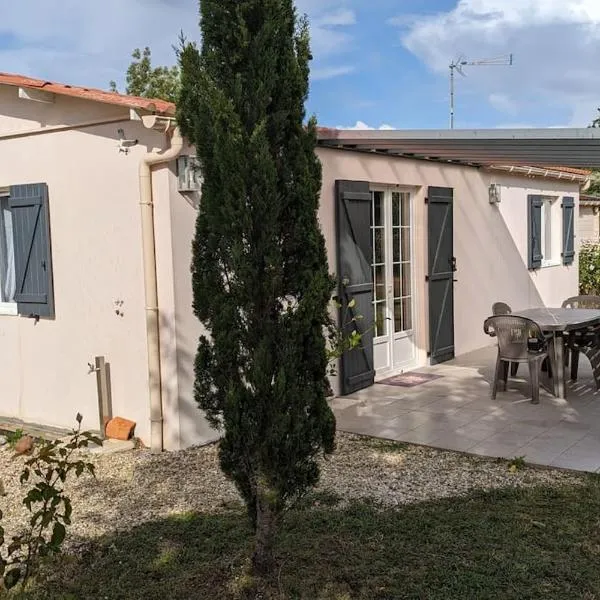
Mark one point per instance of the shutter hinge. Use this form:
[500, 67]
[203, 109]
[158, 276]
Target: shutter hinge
[426, 200]
[426, 277]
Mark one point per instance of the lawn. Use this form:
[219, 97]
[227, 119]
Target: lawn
[541, 540]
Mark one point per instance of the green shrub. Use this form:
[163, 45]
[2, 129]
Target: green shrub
[589, 269]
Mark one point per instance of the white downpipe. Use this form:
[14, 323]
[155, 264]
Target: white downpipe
[150, 285]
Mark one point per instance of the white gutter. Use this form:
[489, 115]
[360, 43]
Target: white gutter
[150, 285]
[583, 180]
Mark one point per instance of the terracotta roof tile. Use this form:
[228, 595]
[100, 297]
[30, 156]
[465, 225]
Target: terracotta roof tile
[573, 170]
[151, 105]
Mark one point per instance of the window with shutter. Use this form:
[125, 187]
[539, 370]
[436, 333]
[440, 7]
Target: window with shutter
[34, 292]
[568, 219]
[534, 229]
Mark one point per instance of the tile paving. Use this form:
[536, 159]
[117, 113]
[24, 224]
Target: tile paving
[455, 412]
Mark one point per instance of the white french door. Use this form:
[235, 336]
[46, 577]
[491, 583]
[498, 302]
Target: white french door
[393, 298]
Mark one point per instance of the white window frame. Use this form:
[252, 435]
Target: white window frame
[7, 308]
[550, 216]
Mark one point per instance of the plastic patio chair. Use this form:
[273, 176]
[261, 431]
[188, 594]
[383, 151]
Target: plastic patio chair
[520, 340]
[501, 308]
[586, 341]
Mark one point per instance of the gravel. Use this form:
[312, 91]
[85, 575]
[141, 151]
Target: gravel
[137, 486]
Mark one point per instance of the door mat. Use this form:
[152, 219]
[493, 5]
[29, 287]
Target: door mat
[409, 379]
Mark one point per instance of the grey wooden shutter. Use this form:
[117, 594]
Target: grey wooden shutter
[534, 229]
[353, 217]
[442, 265]
[33, 261]
[568, 219]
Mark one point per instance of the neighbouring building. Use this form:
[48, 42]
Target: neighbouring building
[589, 218]
[91, 216]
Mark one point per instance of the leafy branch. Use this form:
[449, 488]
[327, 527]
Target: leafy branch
[47, 471]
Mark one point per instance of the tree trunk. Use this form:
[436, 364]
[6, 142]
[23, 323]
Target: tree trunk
[266, 527]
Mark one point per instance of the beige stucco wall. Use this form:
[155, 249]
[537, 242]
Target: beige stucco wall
[184, 327]
[490, 241]
[97, 261]
[21, 116]
[589, 224]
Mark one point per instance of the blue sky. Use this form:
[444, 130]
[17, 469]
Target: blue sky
[377, 62]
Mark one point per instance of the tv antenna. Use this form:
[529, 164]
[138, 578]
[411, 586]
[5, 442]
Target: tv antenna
[458, 66]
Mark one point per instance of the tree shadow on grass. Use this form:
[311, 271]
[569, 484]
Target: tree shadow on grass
[541, 542]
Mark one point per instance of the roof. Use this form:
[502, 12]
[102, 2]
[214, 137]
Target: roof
[148, 104]
[572, 170]
[575, 148]
[589, 200]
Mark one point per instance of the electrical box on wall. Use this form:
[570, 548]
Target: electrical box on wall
[188, 174]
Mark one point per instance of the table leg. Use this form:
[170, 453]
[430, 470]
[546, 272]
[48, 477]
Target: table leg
[559, 365]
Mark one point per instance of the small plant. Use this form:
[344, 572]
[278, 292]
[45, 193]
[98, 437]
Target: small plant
[47, 471]
[516, 464]
[12, 437]
[339, 340]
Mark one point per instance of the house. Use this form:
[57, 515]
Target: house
[98, 199]
[589, 218]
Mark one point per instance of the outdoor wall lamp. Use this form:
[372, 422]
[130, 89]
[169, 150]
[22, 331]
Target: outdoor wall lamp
[494, 193]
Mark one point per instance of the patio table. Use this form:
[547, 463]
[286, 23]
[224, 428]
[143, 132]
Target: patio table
[558, 322]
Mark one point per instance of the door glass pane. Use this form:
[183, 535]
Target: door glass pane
[396, 243]
[406, 291]
[395, 209]
[397, 282]
[407, 313]
[378, 255]
[405, 209]
[378, 209]
[380, 283]
[405, 243]
[397, 315]
[380, 322]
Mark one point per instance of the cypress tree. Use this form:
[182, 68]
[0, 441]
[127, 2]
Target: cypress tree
[259, 270]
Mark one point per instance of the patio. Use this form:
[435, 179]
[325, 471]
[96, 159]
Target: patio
[455, 412]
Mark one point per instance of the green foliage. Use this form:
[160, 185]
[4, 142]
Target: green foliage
[516, 464]
[339, 341]
[594, 187]
[589, 269]
[46, 472]
[12, 437]
[259, 270]
[150, 82]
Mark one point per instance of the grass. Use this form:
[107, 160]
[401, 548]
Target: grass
[382, 445]
[541, 542]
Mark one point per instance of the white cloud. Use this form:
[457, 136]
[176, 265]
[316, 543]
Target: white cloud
[343, 16]
[503, 103]
[320, 73]
[363, 126]
[556, 45]
[90, 43]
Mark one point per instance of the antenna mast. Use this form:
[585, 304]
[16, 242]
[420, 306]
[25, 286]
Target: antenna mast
[457, 65]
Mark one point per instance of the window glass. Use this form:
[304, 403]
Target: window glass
[7, 253]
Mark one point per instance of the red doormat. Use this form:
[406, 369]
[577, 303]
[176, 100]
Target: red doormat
[409, 379]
